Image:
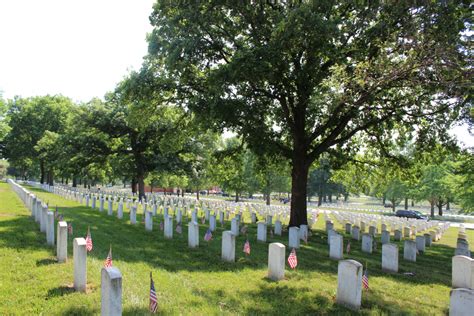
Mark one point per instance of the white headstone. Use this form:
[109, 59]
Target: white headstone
[294, 237]
[168, 227]
[276, 261]
[367, 243]
[409, 251]
[397, 235]
[50, 229]
[234, 226]
[348, 228]
[228, 246]
[303, 232]
[111, 292]
[149, 221]
[212, 222]
[420, 243]
[277, 229]
[133, 215]
[428, 240]
[461, 302]
[193, 235]
[385, 237]
[390, 257]
[61, 247]
[44, 218]
[120, 210]
[355, 232]
[336, 247]
[349, 284]
[463, 272]
[262, 231]
[80, 264]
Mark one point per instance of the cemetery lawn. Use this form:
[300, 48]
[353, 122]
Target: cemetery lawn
[196, 282]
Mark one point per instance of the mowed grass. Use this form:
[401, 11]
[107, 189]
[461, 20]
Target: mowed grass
[196, 281]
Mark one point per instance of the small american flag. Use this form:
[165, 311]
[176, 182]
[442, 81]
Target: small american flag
[365, 280]
[69, 228]
[208, 235]
[348, 247]
[162, 226]
[108, 260]
[247, 248]
[88, 240]
[292, 259]
[179, 229]
[153, 298]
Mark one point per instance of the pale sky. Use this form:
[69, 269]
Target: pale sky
[78, 48]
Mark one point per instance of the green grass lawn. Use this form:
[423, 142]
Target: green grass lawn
[195, 281]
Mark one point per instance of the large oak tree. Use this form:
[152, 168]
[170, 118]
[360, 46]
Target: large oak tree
[303, 78]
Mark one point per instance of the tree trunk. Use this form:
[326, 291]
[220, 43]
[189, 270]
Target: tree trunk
[320, 199]
[236, 197]
[384, 199]
[432, 208]
[151, 188]
[42, 172]
[448, 207]
[134, 185]
[74, 181]
[299, 180]
[393, 206]
[268, 199]
[346, 197]
[440, 207]
[51, 177]
[412, 203]
[197, 194]
[141, 187]
[406, 203]
[182, 192]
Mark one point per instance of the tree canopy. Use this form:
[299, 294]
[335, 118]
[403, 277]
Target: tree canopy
[301, 79]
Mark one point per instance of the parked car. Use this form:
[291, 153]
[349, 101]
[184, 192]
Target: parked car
[411, 214]
[388, 205]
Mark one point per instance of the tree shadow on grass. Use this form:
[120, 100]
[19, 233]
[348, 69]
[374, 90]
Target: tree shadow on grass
[81, 311]
[60, 291]
[45, 262]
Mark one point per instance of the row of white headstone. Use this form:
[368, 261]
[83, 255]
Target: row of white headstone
[462, 294]
[349, 291]
[296, 234]
[111, 278]
[353, 224]
[91, 197]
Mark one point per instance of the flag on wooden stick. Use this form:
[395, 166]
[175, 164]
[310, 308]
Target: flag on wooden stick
[153, 297]
[88, 240]
[108, 260]
[365, 280]
[208, 235]
[292, 259]
[247, 248]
